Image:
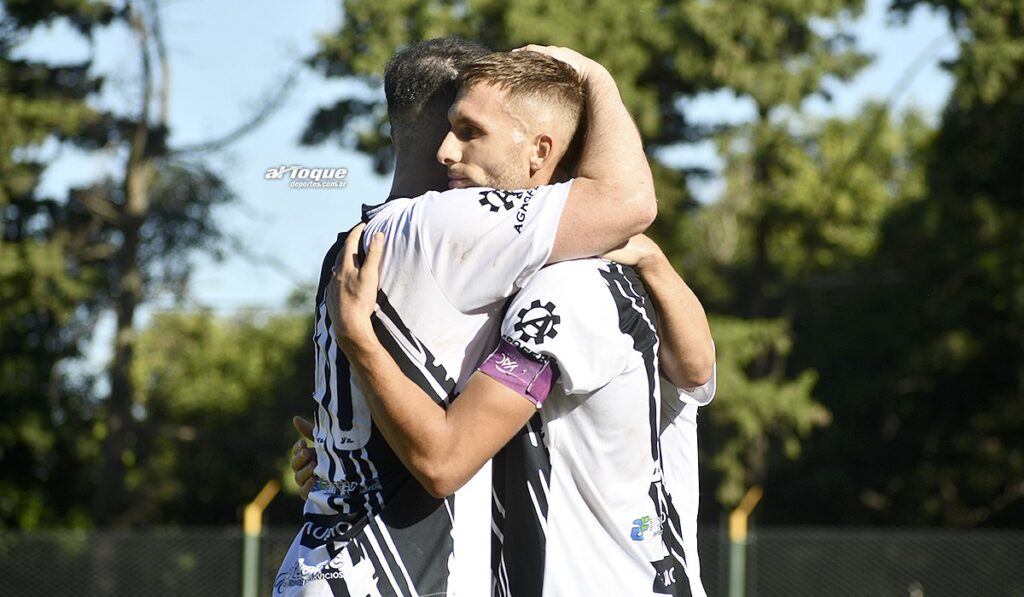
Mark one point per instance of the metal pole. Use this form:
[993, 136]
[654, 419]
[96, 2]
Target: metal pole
[252, 527]
[738, 541]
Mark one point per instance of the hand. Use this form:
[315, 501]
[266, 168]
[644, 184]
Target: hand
[355, 287]
[639, 252]
[583, 65]
[303, 457]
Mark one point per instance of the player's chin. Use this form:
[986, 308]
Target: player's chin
[461, 183]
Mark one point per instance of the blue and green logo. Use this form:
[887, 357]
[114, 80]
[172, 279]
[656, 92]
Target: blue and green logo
[640, 526]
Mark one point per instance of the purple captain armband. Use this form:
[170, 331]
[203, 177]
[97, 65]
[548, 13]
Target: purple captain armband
[528, 375]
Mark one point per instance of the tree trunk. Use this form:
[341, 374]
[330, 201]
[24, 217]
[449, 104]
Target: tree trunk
[111, 498]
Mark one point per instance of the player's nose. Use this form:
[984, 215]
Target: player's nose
[449, 152]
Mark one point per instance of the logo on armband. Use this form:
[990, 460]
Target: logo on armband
[507, 364]
[537, 322]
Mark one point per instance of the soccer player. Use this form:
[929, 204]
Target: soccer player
[582, 482]
[576, 487]
[452, 259]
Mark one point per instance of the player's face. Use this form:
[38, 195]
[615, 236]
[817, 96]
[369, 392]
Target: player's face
[487, 145]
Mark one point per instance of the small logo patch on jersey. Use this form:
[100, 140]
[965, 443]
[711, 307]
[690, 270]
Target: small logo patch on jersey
[537, 322]
[495, 200]
[642, 526]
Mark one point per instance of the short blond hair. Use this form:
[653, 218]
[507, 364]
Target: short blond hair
[526, 74]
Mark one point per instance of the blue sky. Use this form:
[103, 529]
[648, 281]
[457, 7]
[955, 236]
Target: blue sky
[226, 56]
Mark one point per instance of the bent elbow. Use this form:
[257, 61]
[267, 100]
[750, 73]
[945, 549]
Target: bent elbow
[702, 369]
[440, 490]
[645, 210]
[690, 373]
[651, 212]
[442, 487]
[436, 479]
[437, 491]
[703, 375]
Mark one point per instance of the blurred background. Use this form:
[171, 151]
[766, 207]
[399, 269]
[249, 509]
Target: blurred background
[837, 182]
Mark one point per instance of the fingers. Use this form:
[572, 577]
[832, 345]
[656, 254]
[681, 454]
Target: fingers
[304, 464]
[302, 456]
[350, 253]
[352, 240]
[306, 488]
[554, 51]
[371, 267]
[569, 56]
[304, 427]
[304, 474]
[305, 480]
[333, 306]
[533, 48]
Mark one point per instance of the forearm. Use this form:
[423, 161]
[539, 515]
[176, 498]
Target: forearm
[412, 423]
[613, 151]
[686, 353]
[612, 196]
[442, 448]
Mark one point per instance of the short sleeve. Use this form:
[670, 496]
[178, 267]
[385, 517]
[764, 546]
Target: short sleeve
[674, 399]
[565, 313]
[484, 244]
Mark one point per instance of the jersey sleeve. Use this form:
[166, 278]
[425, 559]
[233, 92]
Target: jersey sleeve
[674, 400]
[561, 315]
[482, 244]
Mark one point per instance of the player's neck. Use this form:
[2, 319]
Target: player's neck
[415, 177]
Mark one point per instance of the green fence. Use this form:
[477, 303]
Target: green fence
[833, 562]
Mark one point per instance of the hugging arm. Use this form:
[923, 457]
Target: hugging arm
[612, 196]
[686, 352]
[442, 448]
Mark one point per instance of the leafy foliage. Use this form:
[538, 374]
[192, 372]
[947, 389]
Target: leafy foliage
[216, 401]
[865, 274]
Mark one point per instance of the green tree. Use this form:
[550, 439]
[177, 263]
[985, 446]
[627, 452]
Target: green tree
[216, 397]
[760, 419]
[955, 411]
[791, 243]
[108, 246]
[803, 239]
[46, 303]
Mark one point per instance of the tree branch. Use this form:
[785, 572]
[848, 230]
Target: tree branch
[269, 107]
[161, 54]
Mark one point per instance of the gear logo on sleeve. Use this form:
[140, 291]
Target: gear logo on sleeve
[537, 322]
[494, 199]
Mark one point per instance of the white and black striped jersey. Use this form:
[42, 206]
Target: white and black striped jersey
[580, 505]
[682, 479]
[450, 260]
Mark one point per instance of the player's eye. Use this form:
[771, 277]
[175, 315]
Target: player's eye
[468, 132]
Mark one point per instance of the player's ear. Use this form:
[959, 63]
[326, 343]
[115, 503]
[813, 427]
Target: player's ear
[543, 151]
